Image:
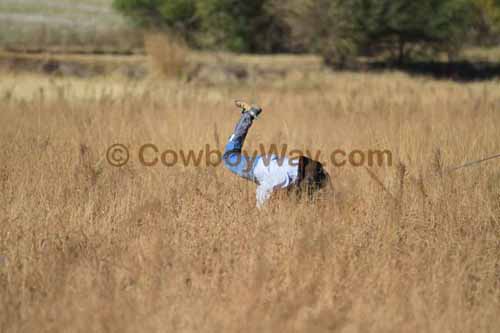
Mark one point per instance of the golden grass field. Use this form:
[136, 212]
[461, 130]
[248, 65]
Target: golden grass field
[87, 247]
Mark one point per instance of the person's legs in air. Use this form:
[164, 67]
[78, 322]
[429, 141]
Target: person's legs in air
[233, 158]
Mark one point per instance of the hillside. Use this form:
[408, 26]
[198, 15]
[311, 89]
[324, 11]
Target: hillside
[64, 25]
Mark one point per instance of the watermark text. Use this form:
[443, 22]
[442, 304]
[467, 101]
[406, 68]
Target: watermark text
[150, 155]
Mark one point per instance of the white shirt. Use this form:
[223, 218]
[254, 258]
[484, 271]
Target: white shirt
[273, 173]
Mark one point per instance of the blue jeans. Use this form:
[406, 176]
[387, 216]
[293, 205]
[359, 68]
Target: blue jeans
[233, 158]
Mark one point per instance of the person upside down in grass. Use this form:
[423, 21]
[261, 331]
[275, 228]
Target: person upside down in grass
[272, 173]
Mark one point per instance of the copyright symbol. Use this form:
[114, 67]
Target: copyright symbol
[117, 155]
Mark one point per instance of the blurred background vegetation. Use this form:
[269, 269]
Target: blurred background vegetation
[340, 31]
[66, 26]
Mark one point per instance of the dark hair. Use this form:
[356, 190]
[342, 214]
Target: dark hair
[315, 179]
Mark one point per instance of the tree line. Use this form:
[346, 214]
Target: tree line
[340, 30]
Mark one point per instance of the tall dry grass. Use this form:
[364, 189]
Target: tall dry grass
[168, 55]
[88, 247]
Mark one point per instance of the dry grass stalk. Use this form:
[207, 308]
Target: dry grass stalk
[169, 55]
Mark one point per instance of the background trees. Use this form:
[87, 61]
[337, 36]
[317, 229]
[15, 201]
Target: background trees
[396, 29]
[341, 30]
[246, 26]
[403, 27]
[241, 26]
[487, 21]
